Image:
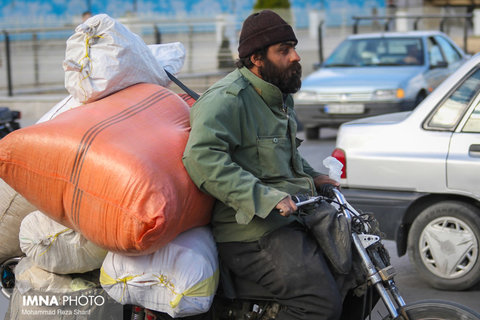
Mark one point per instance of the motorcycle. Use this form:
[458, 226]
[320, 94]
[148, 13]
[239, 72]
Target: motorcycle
[376, 270]
[8, 121]
[240, 300]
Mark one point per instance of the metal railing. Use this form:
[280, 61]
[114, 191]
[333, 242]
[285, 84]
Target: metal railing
[388, 19]
[32, 58]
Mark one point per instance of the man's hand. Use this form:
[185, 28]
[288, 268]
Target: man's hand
[324, 179]
[325, 185]
[286, 206]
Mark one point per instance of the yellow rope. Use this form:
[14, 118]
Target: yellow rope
[105, 279]
[204, 288]
[163, 280]
[86, 56]
[53, 237]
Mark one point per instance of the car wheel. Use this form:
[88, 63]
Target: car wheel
[420, 97]
[443, 244]
[312, 133]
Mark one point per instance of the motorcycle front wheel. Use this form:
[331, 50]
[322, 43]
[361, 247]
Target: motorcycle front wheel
[437, 310]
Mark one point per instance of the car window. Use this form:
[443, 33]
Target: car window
[434, 52]
[451, 54]
[377, 51]
[449, 112]
[473, 122]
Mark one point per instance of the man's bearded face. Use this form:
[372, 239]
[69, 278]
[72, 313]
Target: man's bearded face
[287, 79]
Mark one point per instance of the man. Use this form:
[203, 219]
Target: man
[413, 55]
[243, 151]
[86, 15]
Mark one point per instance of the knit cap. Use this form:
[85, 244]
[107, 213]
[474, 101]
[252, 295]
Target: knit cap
[261, 30]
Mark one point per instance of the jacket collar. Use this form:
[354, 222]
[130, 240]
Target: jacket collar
[270, 93]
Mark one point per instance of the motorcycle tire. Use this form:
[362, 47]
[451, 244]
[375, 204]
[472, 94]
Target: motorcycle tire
[437, 310]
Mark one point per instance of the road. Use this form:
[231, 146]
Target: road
[410, 285]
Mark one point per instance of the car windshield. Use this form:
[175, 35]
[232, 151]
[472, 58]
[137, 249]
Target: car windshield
[377, 52]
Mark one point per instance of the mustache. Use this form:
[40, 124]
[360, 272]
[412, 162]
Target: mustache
[295, 69]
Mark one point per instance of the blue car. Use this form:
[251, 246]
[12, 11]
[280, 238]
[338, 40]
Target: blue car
[372, 74]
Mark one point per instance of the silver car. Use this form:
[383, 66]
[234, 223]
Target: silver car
[372, 74]
[418, 172]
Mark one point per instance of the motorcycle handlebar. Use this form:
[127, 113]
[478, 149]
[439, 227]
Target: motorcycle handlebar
[326, 191]
[331, 193]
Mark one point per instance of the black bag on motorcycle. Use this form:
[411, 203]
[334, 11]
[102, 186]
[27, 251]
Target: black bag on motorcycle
[332, 232]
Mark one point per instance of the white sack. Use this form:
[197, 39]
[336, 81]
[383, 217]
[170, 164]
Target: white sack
[28, 276]
[56, 248]
[39, 294]
[171, 56]
[103, 57]
[69, 102]
[13, 208]
[179, 279]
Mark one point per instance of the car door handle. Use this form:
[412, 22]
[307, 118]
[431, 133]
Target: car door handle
[474, 150]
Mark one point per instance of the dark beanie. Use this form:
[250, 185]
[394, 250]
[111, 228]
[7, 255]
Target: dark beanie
[261, 30]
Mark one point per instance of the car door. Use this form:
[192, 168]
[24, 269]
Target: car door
[463, 160]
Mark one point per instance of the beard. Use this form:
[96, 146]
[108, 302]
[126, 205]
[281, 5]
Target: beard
[288, 79]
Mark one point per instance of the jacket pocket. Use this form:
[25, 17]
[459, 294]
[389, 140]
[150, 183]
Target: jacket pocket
[274, 154]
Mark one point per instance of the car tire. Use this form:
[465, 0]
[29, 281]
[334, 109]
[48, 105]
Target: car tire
[420, 97]
[312, 133]
[443, 244]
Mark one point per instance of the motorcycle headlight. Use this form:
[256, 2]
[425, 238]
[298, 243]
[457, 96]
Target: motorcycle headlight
[389, 94]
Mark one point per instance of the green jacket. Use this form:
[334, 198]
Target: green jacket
[242, 150]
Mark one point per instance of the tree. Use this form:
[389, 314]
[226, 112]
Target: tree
[269, 4]
[282, 7]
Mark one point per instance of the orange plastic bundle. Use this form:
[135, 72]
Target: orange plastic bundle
[111, 169]
[187, 98]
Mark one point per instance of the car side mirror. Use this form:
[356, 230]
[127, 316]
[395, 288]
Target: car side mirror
[439, 64]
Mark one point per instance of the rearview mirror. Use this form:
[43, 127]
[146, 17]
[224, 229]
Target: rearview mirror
[439, 64]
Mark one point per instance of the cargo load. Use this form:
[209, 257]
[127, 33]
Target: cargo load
[179, 279]
[40, 294]
[111, 170]
[56, 248]
[103, 56]
[13, 208]
[169, 56]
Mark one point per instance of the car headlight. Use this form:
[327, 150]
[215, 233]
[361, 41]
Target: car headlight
[389, 94]
[306, 97]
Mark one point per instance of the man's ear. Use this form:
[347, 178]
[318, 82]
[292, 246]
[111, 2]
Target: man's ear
[256, 60]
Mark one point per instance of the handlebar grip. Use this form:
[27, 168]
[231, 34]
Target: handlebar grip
[326, 190]
[300, 198]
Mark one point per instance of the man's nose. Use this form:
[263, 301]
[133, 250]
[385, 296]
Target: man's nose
[294, 56]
